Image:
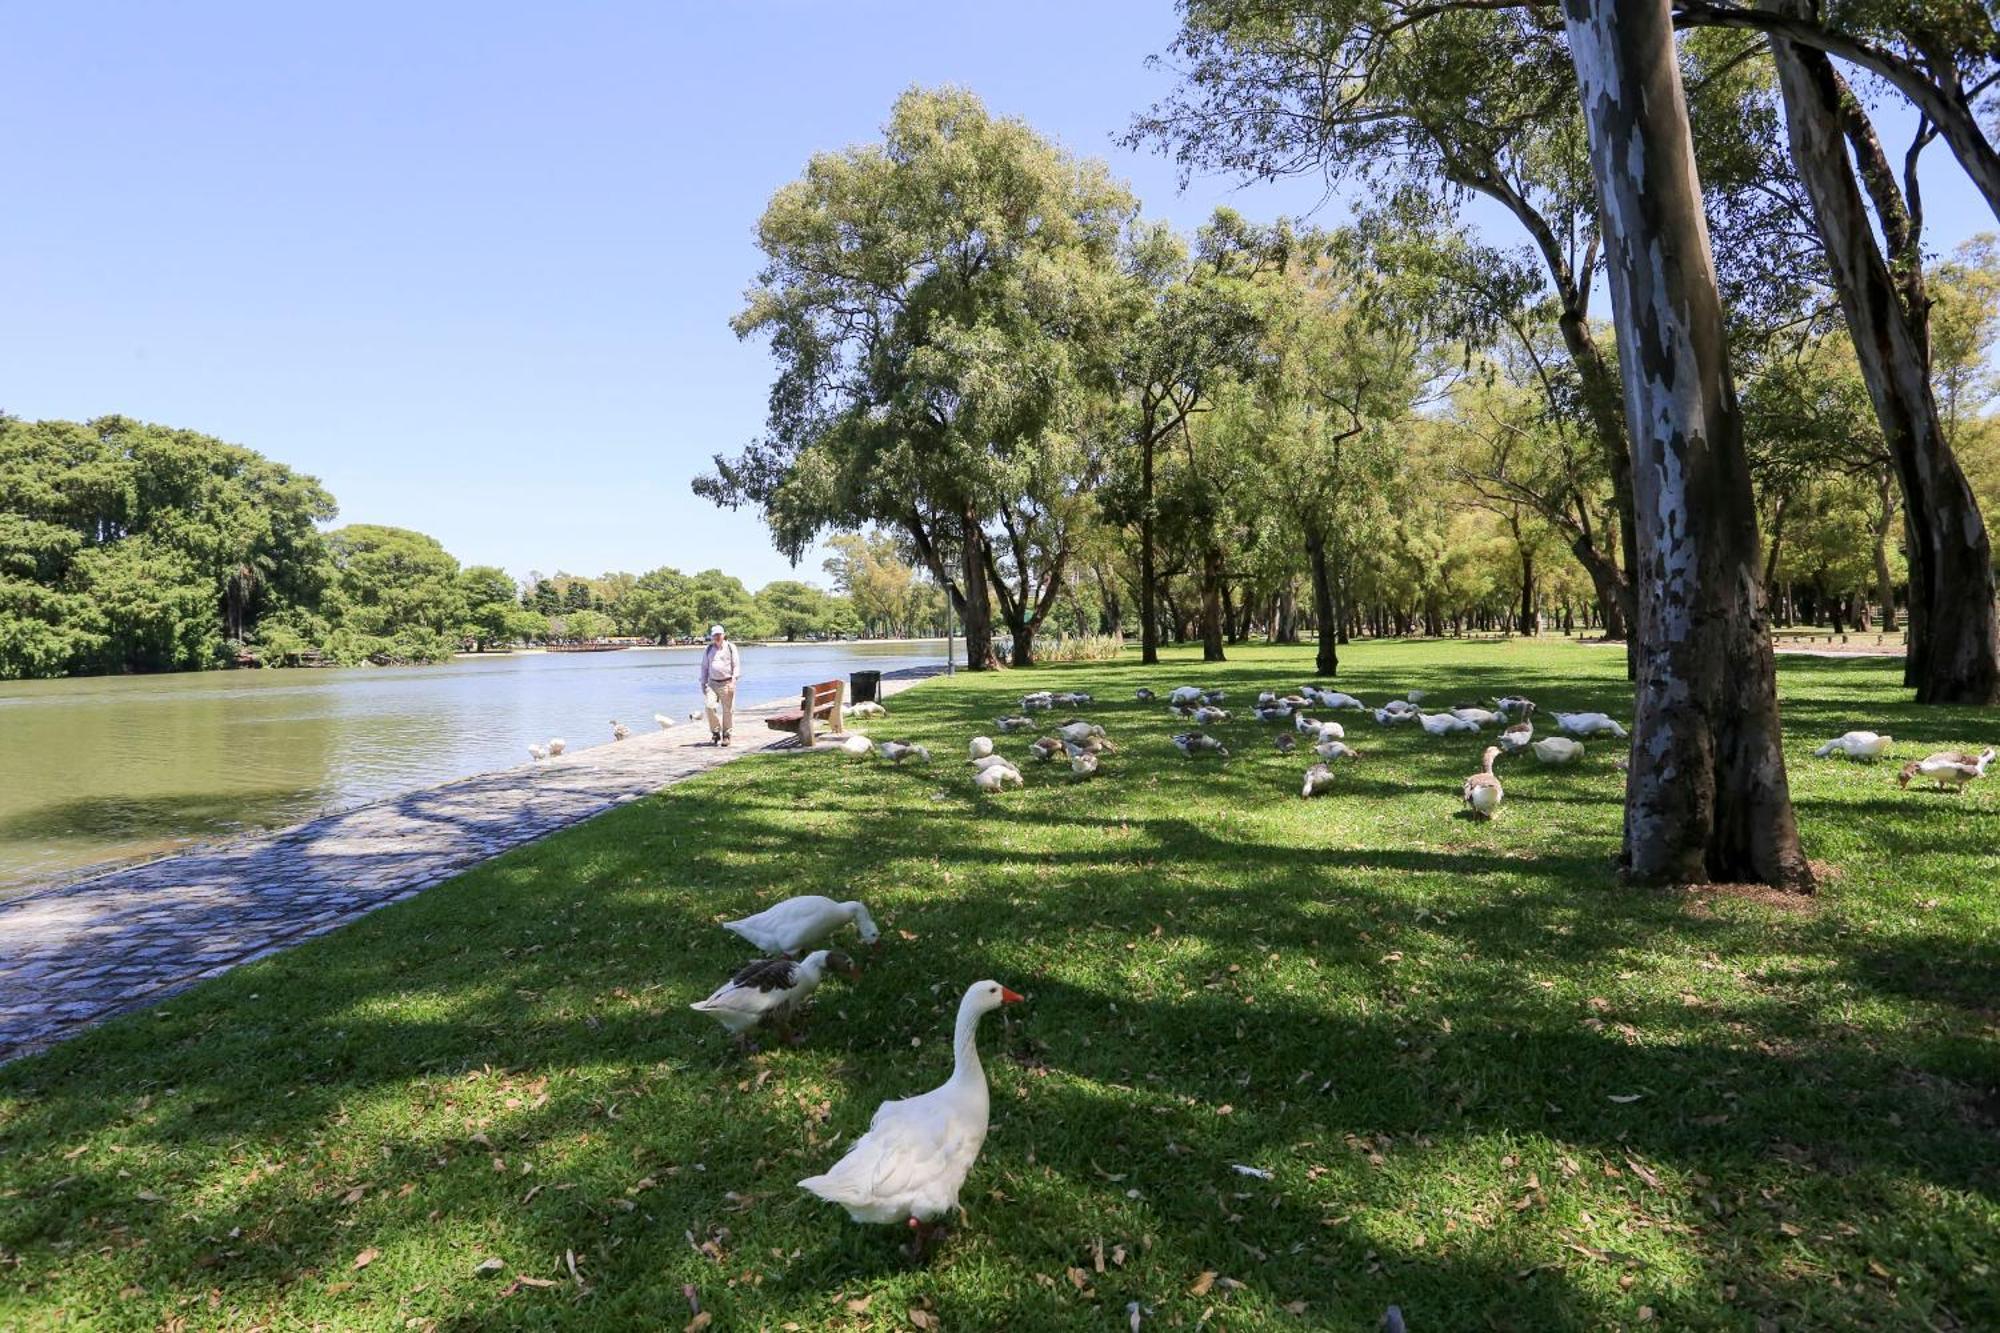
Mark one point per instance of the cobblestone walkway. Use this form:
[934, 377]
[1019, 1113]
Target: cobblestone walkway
[76, 954]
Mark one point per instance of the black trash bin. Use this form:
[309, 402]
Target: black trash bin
[863, 687]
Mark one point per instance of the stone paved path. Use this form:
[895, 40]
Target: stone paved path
[76, 954]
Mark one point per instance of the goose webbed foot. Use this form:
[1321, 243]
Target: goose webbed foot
[924, 1237]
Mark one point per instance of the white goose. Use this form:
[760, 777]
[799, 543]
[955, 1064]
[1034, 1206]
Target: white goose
[1517, 737]
[1083, 763]
[1332, 731]
[538, 752]
[1865, 745]
[897, 751]
[1018, 722]
[771, 988]
[1588, 724]
[990, 780]
[1444, 724]
[981, 746]
[1947, 768]
[912, 1162]
[1558, 750]
[557, 746]
[664, 721]
[986, 761]
[1485, 717]
[868, 709]
[1335, 699]
[1319, 778]
[619, 731]
[857, 746]
[1332, 750]
[1393, 717]
[791, 925]
[1185, 696]
[1482, 789]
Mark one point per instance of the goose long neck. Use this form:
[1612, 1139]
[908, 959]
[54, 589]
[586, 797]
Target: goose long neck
[965, 1067]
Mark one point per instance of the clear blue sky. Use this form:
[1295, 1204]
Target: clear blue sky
[473, 264]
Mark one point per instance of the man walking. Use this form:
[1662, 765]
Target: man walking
[719, 668]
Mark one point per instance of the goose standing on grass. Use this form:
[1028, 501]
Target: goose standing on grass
[1018, 722]
[1285, 743]
[1208, 715]
[1185, 696]
[1485, 717]
[897, 751]
[1082, 763]
[909, 1167]
[1302, 723]
[1332, 750]
[619, 731]
[1192, 743]
[857, 746]
[538, 752]
[1589, 724]
[1863, 745]
[1037, 702]
[1319, 778]
[1076, 731]
[1513, 704]
[1947, 768]
[984, 762]
[981, 746]
[1444, 724]
[1482, 790]
[1335, 699]
[557, 746]
[792, 925]
[1558, 750]
[868, 709]
[1517, 737]
[772, 989]
[992, 779]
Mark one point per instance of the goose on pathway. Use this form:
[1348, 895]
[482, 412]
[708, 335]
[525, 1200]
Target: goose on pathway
[792, 925]
[909, 1167]
[1950, 768]
[772, 989]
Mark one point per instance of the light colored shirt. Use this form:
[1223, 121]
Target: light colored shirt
[719, 665]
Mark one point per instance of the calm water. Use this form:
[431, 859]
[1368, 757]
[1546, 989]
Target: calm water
[99, 770]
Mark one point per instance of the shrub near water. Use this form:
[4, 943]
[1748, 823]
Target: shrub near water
[1487, 1084]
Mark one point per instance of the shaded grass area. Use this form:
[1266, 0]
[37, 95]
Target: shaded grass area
[1489, 1084]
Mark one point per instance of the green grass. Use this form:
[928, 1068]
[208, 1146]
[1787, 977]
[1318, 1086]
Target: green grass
[1491, 1085]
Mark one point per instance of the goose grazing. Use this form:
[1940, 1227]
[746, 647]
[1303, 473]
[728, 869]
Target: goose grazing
[1482, 790]
[1444, 724]
[1076, 730]
[1947, 768]
[1513, 704]
[538, 752]
[1267, 697]
[1015, 723]
[1186, 696]
[1083, 763]
[664, 721]
[1213, 696]
[1192, 743]
[1143, 695]
[1093, 744]
[1285, 743]
[1485, 717]
[867, 709]
[1048, 747]
[1558, 750]
[999, 775]
[1589, 724]
[1331, 731]
[619, 731]
[981, 746]
[1864, 745]
[897, 751]
[1302, 724]
[791, 926]
[1073, 699]
[1517, 737]
[910, 1165]
[1332, 750]
[1271, 712]
[1394, 717]
[1208, 715]
[984, 762]
[1037, 702]
[1319, 778]
[857, 746]
[1335, 699]
[557, 746]
[772, 989]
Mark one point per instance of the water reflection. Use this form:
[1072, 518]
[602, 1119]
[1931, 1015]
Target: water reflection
[111, 768]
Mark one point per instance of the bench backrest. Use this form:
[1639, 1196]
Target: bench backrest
[825, 694]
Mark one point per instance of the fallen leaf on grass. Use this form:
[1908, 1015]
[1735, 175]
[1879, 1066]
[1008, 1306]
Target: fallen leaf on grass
[1626, 1098]
[367, 1257]
[698, 1323]
[859, 1305]
[1643, 1173]
[1203, 1283]
[923, 1318]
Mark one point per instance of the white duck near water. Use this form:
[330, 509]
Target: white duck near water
[771, 988]
[619, 731]
[538, 752]
[1482, 790]
[1589, 724]
[1558, 750]
[557, 746]
[1863, 745]
[792, 925]
[911, 1164]
[1948, 768]
[664, 721]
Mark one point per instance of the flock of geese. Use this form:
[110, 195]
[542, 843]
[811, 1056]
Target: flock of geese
[909, 1167]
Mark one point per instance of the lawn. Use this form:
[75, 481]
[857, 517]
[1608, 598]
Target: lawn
[1488, 1084]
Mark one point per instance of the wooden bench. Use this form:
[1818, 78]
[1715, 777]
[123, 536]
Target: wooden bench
[815, 701]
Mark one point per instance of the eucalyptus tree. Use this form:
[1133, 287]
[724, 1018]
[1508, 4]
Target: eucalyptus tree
[1707, 797]
[930, 300]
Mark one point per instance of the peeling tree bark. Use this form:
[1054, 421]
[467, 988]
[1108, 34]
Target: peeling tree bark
[1707, 798]
[1954, 655]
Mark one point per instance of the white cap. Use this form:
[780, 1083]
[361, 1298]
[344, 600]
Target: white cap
[714, 630]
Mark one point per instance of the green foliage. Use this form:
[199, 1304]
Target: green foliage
[793, 609]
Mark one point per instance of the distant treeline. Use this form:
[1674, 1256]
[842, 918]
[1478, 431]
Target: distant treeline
[129, 547]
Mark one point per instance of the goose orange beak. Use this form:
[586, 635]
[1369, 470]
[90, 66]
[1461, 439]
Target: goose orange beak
[1010, 997]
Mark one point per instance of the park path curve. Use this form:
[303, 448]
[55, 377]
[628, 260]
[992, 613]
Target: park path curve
[75, 954]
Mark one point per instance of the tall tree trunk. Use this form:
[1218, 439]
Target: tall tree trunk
[1211, 604]
[1707, 798]
[976, 606]
[1885, 582]
[1954, 654]
[1231, 623]
[1326, 661]
[1288, 612]
[1149, 619]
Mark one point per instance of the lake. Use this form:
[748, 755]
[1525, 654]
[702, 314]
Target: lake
[111, 768]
